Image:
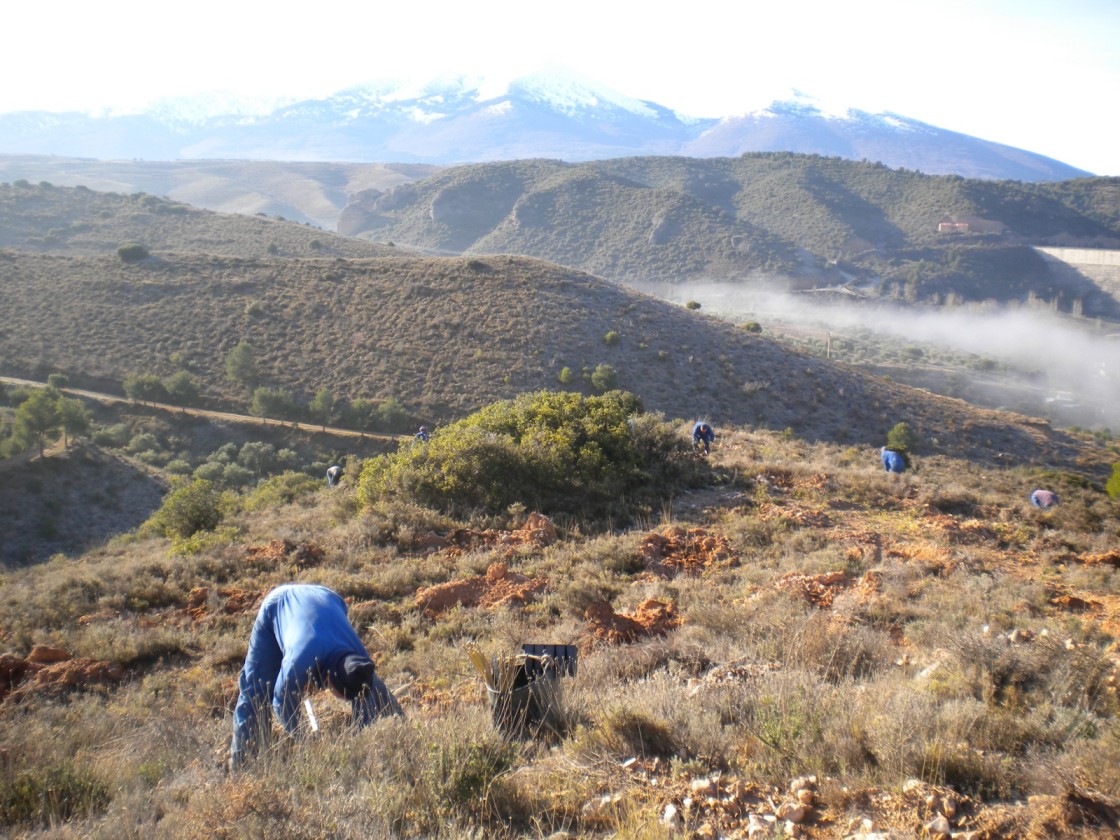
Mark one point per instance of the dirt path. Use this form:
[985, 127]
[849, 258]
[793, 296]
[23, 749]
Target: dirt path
[202, 412]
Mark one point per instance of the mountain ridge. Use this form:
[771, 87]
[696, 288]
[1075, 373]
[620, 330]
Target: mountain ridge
[549, 114]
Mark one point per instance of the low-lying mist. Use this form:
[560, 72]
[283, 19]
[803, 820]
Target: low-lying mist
[1071, 365]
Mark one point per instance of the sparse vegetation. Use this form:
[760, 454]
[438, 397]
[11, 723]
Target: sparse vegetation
[881, 666]
[778, 626]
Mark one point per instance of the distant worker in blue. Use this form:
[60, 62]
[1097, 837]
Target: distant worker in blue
[334, 475]
[302, 638]
[1044, 499]
[703, 436]
[893, 460]
[423, 435]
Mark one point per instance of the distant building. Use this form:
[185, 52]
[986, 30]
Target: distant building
[969, 224]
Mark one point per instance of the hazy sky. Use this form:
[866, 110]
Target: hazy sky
[1042, 75]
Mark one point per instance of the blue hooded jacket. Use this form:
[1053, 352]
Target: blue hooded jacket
[892, 461]
[702, 431]
[300, 637]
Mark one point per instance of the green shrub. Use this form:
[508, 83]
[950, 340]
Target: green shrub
[556, 452]
[611, 338]
[115, 436]
[604, 378]
[278, 490]
[47, 795]
[1113, 484]
[132, 252]
[565, 376]
[692, 304]
[195, 506]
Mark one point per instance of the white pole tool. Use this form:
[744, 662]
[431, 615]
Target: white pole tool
[314, 721]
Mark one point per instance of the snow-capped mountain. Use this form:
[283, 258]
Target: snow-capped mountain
[550, 114]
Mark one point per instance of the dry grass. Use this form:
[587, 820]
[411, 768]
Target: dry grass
[935, 646]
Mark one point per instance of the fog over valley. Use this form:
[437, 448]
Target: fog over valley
[1029, 359]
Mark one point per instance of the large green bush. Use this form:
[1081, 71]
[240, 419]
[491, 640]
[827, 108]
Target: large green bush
[192, 507]
[1113, 485]
[595, 457]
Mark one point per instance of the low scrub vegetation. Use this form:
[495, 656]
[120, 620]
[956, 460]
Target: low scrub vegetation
[560, 453]
[781, 629]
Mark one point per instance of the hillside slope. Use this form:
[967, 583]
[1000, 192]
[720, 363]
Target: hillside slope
[818, 219]
[50, 219]
[446, 336]
[303, 192]
[807, 639]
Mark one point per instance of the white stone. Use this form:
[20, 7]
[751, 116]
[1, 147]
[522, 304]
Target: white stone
[704, 787]
[671, 816]
[791, 813]
[938, 827]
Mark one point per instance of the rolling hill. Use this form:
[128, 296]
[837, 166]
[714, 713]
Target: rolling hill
[818, 220]
[48, 219]
[315, 193]
[442, 335]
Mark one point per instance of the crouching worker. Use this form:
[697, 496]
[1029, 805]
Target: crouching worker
[894, 461]
[302, 638]
[1044, 499]
[703, 436]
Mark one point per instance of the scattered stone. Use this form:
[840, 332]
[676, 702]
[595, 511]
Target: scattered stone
[671, 816]
[938, 827]
[791, 813]
[703, 787]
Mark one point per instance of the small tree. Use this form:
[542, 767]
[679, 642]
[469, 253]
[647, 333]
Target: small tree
[322, 407]
[241, 365]
[359, 413]
[392, 417]
[58, 381]
[36, 417]
[565, 376]
[145, 387]
[74, 417]
[181, 388]
[902, 438]
[272, 402]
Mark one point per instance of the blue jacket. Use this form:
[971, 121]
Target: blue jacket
[892, 461]
[301, 634]
[702, 431]
[1044, 498]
